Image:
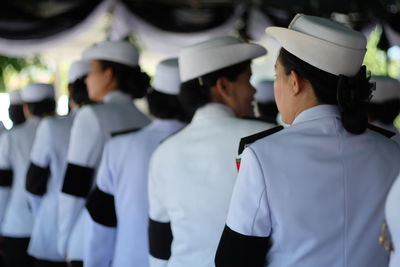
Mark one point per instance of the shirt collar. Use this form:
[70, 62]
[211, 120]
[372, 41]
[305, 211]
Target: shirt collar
[167, 123]
[212, 110]
[117, 96]
[317, 112]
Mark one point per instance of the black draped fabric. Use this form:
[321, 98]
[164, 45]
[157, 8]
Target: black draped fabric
[184, 17]
[27, 20]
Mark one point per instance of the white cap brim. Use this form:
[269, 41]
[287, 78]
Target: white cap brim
[319, 53]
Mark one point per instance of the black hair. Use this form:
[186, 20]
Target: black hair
[195, 93]
[165, 106]
[385, 112]
[350, 94]
[78, 91]
[16, 113]
[268, 111]
[43, 108]
[131, 80]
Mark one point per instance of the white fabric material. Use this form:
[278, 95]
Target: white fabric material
[317, 191]
[17, 220]
[393, 219]
[211, 55]
[167, 79]
[92, 127]
[386, 88]
[264, 92]
[191, 178]
[15, 97]
[77, 70]
[28, 47]
[36, 92]
[49, 150]
[122, 52]
[167, 43]
[323, 43]
[257, 22]
[123, 173]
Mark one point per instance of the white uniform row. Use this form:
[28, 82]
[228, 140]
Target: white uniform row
[308, 195]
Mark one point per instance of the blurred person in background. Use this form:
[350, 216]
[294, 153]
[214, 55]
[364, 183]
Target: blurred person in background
[120, 200]
[115, 79]
[45, 175]
[15, 148]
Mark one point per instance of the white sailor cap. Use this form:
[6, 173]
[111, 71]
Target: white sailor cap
[386, 89]
[166, 79]
[212, 55]
[77, 70]
[36, 92]
[264, 91]
[323, 43]
[15, 97]
[122, 52]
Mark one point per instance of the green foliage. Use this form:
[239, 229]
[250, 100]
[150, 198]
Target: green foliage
[12, 65]
[377, 61]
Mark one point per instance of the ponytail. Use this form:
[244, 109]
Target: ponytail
[353, 95]
[131, 80]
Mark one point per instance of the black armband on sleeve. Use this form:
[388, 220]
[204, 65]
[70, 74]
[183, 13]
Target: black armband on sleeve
[160, 239]
[36, 179]
[237, 250]
[6, 178]
[78, 180]
[101, 208]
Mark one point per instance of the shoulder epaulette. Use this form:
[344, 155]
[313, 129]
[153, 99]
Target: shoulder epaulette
[384, 132]
[254, 119]
[248, 140]
[114, 134]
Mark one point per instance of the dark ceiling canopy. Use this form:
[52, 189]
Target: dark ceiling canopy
[27, 19]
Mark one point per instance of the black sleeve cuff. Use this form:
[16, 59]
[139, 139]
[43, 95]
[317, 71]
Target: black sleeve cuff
[78, 180]
[160, 239]
[36, 179]
[237, 250]
[6, 178]
[101, 208]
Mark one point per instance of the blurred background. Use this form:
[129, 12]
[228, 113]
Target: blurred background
[39, 39]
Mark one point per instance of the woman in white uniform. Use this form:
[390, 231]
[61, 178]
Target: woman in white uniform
[312, 194]
[15, 147]
[115, 79]
[46, 172]
[119, 204]
[192, 173]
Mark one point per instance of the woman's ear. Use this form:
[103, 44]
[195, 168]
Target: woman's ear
[222, 88]
[296, 82]
[108, 73]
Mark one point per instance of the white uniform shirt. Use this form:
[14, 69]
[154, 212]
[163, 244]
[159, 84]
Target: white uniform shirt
[15, 150]
[122, 182]
[317, 191]
[92, 127]
[45, 177]
[191, 178]
[392, 211]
